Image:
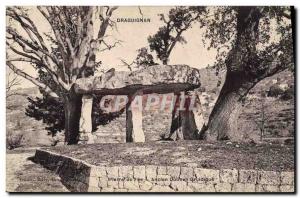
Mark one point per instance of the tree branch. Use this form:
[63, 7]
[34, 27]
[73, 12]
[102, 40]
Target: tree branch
[108, 47]
[105, 22]
[31, 79]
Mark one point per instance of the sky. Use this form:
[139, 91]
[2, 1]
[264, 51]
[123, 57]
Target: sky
[133, 37]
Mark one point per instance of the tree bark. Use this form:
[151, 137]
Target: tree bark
[72, 109]
[165, 61]
[243, 73]
[223, 120]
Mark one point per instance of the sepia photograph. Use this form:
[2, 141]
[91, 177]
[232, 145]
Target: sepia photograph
[150, 99]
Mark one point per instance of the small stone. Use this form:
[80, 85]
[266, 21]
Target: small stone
[287, 178]
[287, 188]
[266, 188]
[139, 172]
[268, 177]
[113, 183]
[158, 188]
[97, 171]
[163, 180]
[103, 182]
[93, 181]
[207, 175]
[107, 190]
[121, 184]
[240, 187]
[237, 146]
[180, 186]
[229, 176]
[228, 143]
[126, 172]
[223, 187]
[131, 185]
[199, 149]
[173, 171]
[145, 185]
[196, 187]
[161, 170]
[151, 172]
[248, 176]
[112, 172]
[186, 173]
[181, 148]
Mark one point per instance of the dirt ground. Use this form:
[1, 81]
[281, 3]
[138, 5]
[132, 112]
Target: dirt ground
[221, 155]
[22, 175]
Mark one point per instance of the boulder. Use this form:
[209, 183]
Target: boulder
[154, 79]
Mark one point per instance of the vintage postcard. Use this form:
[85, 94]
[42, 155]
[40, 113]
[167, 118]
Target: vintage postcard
[192, 99]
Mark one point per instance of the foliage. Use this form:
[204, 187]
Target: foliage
[51, 112]
[252, 43]
[178, 20]
[144, 58]
[274, 38]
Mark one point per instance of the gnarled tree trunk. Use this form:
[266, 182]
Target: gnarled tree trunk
[243, 72]
[72, 107]
[223, 120]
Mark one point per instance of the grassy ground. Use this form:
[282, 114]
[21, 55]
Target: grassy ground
[22, 175]
[188, 153]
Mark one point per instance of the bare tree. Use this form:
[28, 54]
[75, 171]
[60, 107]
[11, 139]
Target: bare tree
[12, 81]
[61, 56]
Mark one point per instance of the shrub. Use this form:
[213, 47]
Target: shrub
[288, 94]
[51, 112]
[13, 140]
[275, 91]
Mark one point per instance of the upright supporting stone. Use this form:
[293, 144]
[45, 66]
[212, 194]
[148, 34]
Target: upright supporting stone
[134, 120]
[176, 123]
[198, 117]
[192, 122]
[187, 122]
[85, 128]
